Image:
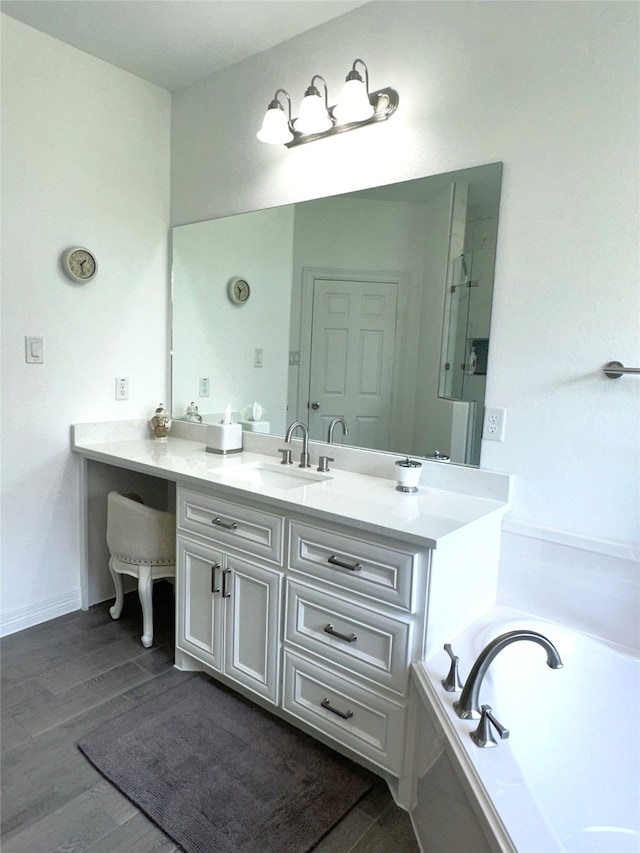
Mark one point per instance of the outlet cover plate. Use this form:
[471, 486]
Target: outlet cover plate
[494, 424]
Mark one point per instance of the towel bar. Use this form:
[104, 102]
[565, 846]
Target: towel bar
[615, 369]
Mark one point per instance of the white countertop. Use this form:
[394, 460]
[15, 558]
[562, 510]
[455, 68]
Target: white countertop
[359, 500]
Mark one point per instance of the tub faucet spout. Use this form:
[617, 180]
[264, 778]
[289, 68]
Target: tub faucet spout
[468, 706]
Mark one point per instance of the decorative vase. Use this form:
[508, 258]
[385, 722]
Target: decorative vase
[161, 423]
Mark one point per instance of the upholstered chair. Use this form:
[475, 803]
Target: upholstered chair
[142, 544]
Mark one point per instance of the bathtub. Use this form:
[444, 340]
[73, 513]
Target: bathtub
[567, 779]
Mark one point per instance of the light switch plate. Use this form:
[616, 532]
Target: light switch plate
[33, 350]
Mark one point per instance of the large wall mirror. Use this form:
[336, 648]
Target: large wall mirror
[373, 306]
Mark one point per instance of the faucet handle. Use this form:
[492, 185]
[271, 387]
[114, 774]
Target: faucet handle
[323, 463]
[483, 735]
[286, 455]
[452, 683]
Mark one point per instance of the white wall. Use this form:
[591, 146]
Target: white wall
[550, 89]
[85, 161]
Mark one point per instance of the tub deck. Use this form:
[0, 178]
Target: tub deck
[568, 777]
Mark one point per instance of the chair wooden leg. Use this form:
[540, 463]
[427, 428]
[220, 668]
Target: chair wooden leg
[146, 600]
[116, 609]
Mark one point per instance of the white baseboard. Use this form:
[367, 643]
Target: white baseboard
[25, 617]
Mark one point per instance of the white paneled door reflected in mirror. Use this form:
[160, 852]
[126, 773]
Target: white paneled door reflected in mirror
[374, 306]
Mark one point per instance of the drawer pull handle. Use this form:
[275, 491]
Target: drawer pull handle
[228, 525]
[225, 594]
[214, 588]
[345, 564]
[348, 638]
[346, 715]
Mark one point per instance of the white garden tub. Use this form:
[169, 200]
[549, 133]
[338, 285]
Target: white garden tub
[567, 779]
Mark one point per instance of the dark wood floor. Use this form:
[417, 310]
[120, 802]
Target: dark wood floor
[61, 680]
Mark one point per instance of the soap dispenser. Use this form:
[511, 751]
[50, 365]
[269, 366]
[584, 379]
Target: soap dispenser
[408, 475]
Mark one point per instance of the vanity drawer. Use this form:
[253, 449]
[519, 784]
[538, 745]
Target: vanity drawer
[371, 644]
[230, 524]
[385, 574]
[368, 724]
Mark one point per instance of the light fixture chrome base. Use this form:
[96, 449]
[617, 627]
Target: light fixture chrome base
[384, 102]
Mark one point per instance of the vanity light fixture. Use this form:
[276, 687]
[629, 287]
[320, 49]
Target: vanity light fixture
[314, 110]
[353, 103]
[276, 125]
[356, 107]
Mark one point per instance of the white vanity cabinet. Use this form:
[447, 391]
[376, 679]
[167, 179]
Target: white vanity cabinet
[314, 601]
[229, 597]
[353, 624]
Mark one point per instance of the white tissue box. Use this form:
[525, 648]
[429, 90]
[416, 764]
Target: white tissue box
[224, 438]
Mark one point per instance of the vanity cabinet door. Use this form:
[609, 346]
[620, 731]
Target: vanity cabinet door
[252, 596]
[199, 630]
[228, 616]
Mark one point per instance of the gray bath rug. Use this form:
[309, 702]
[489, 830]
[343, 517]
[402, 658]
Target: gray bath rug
[219, 775]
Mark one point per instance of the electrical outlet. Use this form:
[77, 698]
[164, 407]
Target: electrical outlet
[258, 358]
[494, 424]
[204, 386]
[122, 388]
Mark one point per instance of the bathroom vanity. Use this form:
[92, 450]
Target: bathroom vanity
[310, 596]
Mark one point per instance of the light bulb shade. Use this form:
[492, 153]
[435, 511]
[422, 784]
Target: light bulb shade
[353, 103]
[275, 127]
[313, 117]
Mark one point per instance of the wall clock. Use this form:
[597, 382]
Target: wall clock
[79, 264]
[239, 291]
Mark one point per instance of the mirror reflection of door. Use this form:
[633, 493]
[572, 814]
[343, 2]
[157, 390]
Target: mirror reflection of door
[353, 344]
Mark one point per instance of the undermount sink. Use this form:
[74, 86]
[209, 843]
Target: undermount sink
[274, 476]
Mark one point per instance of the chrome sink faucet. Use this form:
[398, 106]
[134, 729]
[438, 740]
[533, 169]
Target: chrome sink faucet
[304, 456]
[468, 706]
[332, 426]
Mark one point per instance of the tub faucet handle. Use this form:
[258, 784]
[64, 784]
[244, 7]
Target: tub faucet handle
[483, 735]
[452, 683]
